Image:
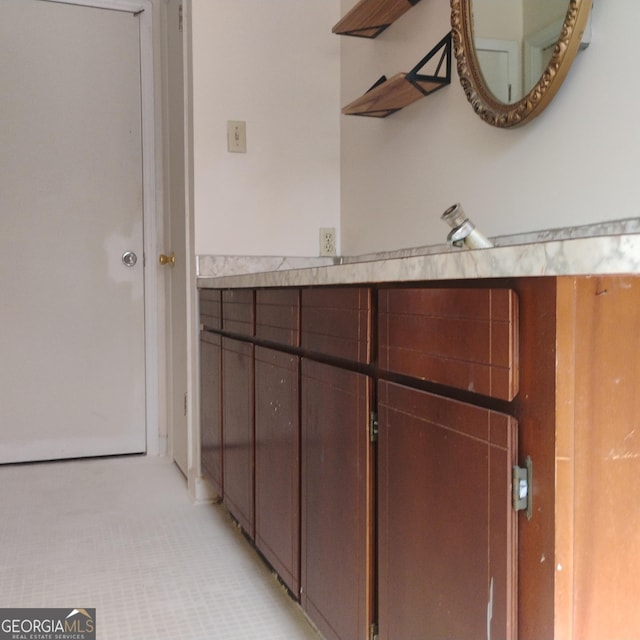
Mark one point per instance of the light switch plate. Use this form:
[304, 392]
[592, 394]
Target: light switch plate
[236, 136]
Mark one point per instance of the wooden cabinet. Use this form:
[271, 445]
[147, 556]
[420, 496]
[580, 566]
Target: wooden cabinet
[336, 322]
[462, 338]
[336, 501]
[416, 531]
[277, 433]
[211, 308]
[597, 458]
[238, 317]
[211, 409]
[278, 316]
[237, 394]
[211, 389]
[277, 454]
[336, 463]
[238, 311]
[447, 530]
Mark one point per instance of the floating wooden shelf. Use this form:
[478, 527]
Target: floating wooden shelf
[390, 95]
[369, 18]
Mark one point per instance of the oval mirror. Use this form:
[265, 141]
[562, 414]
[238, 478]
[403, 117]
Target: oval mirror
[512, 56]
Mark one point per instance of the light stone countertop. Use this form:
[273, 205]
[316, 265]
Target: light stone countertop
[607, 248]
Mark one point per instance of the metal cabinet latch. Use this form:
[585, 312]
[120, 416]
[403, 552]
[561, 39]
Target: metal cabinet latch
[522, 487]
[373, 426]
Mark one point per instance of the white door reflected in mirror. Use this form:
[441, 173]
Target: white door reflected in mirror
[511, 39]
[513, 55]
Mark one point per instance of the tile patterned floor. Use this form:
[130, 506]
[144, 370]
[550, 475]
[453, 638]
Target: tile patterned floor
[121, 535]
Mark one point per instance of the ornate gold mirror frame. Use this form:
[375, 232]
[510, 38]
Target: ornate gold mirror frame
[500, 114]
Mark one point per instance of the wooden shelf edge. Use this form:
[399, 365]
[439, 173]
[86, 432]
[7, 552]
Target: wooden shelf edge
[369, 18]
[387, 96]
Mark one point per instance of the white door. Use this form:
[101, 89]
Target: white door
[72, 377]
[499, 61]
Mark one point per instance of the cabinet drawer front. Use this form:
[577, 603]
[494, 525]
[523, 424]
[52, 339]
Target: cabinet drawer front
[447, 531]
[238, 311]
[278, 316]
[337, 322]
[211, 308]
[463, 338]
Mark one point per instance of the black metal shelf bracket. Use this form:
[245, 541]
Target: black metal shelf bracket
[415, 77]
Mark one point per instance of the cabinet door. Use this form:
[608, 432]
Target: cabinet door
[336, 501]
[211, 410]
[447, 531]
[237, 393]
[278, 463]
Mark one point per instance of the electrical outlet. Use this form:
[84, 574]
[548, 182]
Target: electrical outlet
[327, 241]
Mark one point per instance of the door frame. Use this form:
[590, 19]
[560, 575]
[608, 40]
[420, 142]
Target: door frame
[199, 489]
[152, 222]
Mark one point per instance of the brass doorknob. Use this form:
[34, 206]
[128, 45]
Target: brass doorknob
[170, 260]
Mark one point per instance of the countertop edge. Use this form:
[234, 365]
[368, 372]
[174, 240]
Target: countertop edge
[618, 254]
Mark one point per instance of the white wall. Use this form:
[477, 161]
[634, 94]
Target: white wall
[539, 14]
[498, 19]
[274, 64]
[577, 163]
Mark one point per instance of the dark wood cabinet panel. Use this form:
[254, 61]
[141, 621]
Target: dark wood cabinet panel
[337, 322]
[465, 338]
[238, 450]
[598, 459]
[429, 548]
[535, 409]
[277, 453]
[238, 311]
[211, 308]
[336, 540]
[278, 316]
[447, 530]
[211, 409]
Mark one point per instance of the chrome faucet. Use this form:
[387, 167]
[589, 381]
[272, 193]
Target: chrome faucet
[463, 232]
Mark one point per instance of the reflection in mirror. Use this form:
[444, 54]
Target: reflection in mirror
[512, 55]
[514, 42]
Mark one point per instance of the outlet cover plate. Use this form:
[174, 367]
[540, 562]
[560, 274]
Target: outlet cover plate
[327, 241]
